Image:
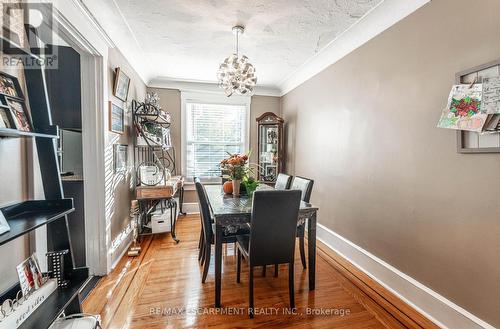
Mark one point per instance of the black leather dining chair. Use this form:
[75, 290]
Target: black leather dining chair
[208, 228]
[272, 236]
[283, 182]
[305, 186]
[201, 241]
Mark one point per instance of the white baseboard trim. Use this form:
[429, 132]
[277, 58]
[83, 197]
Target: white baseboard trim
[120, 245]
[435, 307]
[190, 208]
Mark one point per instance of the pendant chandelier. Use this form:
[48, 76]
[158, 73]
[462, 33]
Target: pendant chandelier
[236, 74]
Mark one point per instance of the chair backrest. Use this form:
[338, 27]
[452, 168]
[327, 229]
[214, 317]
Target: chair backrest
[283, 182]
[204, 210]
[273, 227]
[304, 185]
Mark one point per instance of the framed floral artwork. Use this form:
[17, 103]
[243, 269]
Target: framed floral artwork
[121, 85]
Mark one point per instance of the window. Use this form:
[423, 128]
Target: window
[211, 131]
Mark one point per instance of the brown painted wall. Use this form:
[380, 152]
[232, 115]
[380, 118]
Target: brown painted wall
[119, 190]
[385, 177]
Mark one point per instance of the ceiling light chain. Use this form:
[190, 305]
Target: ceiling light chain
[235, 73]
[237, 43]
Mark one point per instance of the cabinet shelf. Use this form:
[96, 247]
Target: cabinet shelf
[29, 215]
[8, 132]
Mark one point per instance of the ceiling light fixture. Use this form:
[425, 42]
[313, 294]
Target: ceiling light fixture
[236, 74]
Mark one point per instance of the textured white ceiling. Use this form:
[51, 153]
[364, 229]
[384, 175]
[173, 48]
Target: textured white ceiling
[187, 40]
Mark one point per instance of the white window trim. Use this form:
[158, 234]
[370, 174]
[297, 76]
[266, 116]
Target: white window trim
[209, 98]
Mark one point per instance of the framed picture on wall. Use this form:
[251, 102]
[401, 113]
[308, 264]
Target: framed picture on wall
[116, 119]
[121, 85]
[120, 157]
[19, 114]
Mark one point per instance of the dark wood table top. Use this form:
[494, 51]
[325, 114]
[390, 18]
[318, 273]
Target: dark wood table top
[228, 205]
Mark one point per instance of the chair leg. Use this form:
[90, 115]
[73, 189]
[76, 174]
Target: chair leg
[250, 288]
[200, 246]
[302, 250]
[238, 265]
[276, 270]
[291, 290]
[208, 252]
[203, 253]
[264, 270]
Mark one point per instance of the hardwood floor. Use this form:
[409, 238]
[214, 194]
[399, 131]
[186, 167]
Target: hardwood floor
[162, 289]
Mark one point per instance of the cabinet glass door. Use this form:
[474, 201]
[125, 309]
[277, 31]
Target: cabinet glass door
[268, 156]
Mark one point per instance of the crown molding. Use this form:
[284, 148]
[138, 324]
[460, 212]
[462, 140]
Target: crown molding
[205, 86]
[374, 22]
[93, 21]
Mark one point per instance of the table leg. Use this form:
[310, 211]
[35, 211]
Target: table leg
[311, 249]
[181, 201]
[218, 263]
[173, 219]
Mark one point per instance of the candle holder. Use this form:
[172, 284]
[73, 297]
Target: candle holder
[135, 249]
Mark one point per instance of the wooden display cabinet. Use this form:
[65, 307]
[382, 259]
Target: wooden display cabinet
[270, 147]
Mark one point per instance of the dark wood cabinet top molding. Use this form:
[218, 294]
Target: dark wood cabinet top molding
[270, 116]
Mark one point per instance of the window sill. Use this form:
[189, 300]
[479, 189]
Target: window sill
[189, 186]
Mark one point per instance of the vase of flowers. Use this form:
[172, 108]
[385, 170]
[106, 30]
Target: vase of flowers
[236, 166]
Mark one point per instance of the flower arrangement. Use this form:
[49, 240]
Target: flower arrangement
[239, 171]
[235, 165]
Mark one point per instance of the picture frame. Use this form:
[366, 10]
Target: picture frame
[116, 118]
[5, 118]
[4, 225]
[30, 275]
[120, 156]
[9, 86]
[36, 271]
[19, 115]
[121, 85]
[3, 102]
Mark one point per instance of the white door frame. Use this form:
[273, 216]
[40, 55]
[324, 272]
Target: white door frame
[74, 22]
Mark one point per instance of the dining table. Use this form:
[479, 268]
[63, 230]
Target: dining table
[232, 213]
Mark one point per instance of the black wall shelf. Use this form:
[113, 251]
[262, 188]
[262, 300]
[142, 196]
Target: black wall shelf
[28, 215]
